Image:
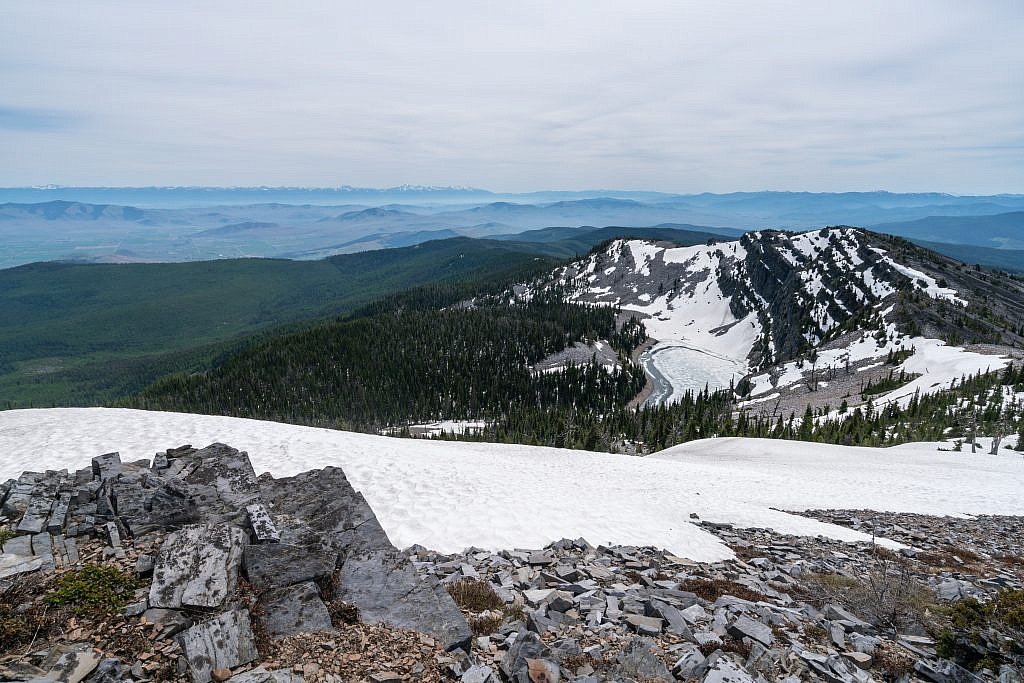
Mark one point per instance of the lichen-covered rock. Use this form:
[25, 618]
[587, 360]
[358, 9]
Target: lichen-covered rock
[73, 666]
[197, 567]
[262, 524]
[225, 641]
[295, 609]
[641, 660]
[222, 483]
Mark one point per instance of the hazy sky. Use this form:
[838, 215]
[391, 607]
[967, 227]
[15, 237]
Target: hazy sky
[512, 96]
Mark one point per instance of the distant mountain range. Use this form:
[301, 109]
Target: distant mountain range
[998, 231]
[193, 224]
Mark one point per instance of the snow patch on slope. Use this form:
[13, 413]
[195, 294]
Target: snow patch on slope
[448, 496]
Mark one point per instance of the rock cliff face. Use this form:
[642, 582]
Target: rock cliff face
[299, 544]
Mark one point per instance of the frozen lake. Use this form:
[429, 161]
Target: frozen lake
[677, 368]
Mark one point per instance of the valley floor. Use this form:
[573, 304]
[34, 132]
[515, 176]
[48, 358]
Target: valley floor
[448, 496]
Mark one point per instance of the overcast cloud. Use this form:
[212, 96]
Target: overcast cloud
[672, 96]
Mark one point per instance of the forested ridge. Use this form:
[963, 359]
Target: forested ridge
[986, 404]
[403, 360]
[88, 334]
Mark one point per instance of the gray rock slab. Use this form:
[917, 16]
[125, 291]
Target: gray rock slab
[326, 511]
[385, 587]
[477, 673]
[745, 627]
[74, 666]
[106, 466]
[71, 546]
[17, 499]
[37, 514]
[12, 565]
[108, 671]
[724, 670]
[641, 660]
[647, 626]
[171, 621]
[19, 545]
[197, 567]
[223, 642]
[42, 547]
[222, 484]
[59, 514]
[169, 505]
[295, 609]
[674, 619]
[944, 671]
[527, 646]
[282, 564]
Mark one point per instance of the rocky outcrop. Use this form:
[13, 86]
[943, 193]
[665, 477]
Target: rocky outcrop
[300, 543]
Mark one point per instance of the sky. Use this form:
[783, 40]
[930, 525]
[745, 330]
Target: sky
[670, 96]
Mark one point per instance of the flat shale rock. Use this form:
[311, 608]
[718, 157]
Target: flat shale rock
[282, 564]
[385, 587]
[295, 609]
[12, 564]
[223, 642]
[197, 567]
[74, 666]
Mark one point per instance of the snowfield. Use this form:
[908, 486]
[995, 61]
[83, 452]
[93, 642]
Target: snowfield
[448, 496]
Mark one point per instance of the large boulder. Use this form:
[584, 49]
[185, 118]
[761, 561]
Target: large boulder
[197, 567]
[385, 587]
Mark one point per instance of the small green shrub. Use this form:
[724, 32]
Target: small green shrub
[1008, 608]
[5, 535]
[93, 588]
[967, 614]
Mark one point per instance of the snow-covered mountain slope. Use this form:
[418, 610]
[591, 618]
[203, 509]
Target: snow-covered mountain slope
[770, 297]
[448, 496]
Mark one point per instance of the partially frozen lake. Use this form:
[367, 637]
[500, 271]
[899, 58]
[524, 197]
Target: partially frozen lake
[677, 368]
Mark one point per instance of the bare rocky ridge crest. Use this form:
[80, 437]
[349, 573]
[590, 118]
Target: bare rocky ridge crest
[255, 579]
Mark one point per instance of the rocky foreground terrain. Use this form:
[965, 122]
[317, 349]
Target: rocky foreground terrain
[190, 567]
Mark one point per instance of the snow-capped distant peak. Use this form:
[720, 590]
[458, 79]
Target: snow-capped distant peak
[760, 299]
